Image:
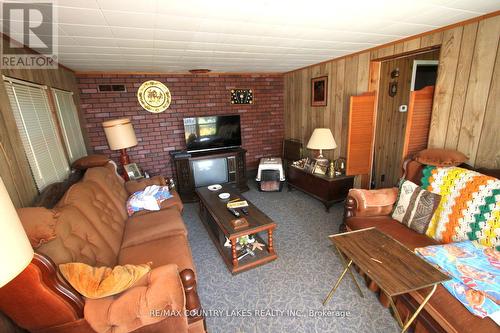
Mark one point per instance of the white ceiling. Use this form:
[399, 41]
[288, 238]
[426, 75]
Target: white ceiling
[239, 36]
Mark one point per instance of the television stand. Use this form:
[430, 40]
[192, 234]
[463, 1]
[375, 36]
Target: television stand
[185, 175]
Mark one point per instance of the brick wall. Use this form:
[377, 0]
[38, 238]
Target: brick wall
[192, 95]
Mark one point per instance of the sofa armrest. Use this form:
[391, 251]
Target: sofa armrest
[137, 185]
[370, 202]
[156, 297]
[37, 298]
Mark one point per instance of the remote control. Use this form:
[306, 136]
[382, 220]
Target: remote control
[234, 212]
[244, 210]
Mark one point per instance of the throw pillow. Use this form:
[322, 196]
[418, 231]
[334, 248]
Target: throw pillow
[99, 282]
[440, 157]
[90, 161]
[39, 224]
[415, 206]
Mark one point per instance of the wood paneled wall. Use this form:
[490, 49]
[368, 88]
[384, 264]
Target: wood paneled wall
[466, 107]
[14, 167]
[391, 124]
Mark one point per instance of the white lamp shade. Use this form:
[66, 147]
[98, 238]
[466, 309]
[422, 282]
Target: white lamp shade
[15, 248]
[120, 133]
[322, 139]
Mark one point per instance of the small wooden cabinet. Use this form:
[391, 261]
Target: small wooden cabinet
[185, 178]
[325, 189]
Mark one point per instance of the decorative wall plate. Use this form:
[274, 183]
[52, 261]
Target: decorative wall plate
[241, 96]
[154, 96]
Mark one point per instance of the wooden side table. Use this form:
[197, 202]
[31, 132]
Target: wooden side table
[393, 267]
[325, 189]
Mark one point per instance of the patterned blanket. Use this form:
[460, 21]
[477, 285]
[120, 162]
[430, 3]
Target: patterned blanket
[149, 199]
[475, 275]
[469, 207]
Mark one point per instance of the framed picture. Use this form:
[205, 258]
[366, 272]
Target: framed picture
[310, 165]
[321, 167]
[133, 171]
[319, 91]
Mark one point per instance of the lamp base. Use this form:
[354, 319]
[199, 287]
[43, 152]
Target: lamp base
[321, 159]
[124, 160]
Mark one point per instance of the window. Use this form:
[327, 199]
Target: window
[70, 125]
[38, 132]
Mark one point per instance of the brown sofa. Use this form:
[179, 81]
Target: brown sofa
[443, 313]
[92, 226]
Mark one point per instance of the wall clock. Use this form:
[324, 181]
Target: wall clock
[241, 96]
[154, 96]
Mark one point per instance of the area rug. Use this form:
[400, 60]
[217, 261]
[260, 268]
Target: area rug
[286, 294]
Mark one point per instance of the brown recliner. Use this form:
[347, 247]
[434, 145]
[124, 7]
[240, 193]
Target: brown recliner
[443, 312]
[93, 227]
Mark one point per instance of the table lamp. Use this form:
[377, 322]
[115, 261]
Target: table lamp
[321, 139]
[15, 249]
[120, 135]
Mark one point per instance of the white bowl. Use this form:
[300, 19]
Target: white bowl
[215, 187]
[224, 196]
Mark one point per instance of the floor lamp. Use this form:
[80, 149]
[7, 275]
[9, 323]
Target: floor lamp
[120, 135]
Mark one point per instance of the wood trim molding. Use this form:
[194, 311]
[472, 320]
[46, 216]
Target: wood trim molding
[450, 26]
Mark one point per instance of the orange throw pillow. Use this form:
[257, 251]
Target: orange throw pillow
[90, 161]
[440, 157]
[39, 224]
[99, 282]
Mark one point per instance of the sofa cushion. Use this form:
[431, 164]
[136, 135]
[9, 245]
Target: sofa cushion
[99, 209]
[77, 240]
[415, 206]
[138, 185]
[161, 289]
[451, 314]
[89, 161]
[391, 227]
[111, 184]
[153, 225]
[440, 157]
[175, 201]
[98, 282]
[163, 251]
[39, 224]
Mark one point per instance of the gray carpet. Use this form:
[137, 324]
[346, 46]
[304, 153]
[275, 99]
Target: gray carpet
[295, 283]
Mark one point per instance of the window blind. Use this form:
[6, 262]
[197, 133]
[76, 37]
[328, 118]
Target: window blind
[70, 124]
[38, 132]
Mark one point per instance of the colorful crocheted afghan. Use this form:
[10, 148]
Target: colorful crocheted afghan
[469, 207]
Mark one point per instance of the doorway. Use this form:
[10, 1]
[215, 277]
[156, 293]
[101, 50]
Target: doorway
[399, 78]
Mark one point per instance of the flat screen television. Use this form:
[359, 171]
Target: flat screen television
[212, 132]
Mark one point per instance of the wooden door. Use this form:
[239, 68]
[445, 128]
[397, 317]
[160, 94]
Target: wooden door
[360, 135]
[418, 121]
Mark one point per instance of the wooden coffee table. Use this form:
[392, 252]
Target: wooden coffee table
[217, 220]
[392, 266]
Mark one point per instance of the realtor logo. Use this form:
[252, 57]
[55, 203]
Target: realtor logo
[28, 24]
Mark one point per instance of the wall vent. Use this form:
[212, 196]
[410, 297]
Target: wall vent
[112, 88]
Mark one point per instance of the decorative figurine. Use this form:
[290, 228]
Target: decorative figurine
[340, 165]
[331, 170]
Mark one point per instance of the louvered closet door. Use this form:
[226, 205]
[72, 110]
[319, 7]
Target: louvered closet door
[418, 121]
[70, 124]
[38, 132]
[360, 134]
